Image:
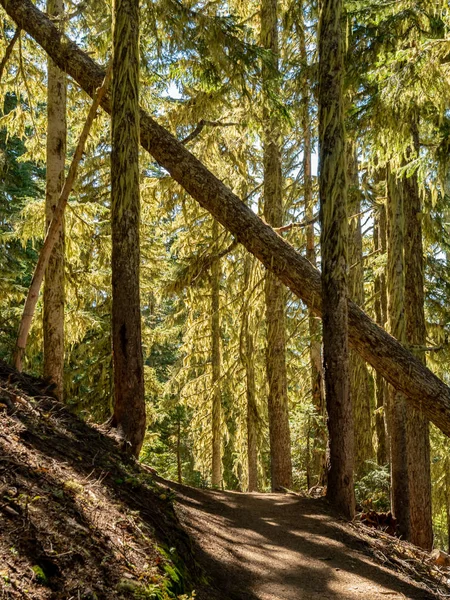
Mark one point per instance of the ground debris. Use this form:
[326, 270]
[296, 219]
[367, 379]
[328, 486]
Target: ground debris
[417, 564]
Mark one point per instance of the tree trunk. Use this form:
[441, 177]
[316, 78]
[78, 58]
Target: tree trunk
[179, 470]
[396, 324]
[319, 466]
[279, 433]
[53, 233]
[216, 409]
[399, 367]
[129, 403]
[247, 359]
[447, 498]
[360, 388]
[418, 436]
[333, 214]
[381, 387]
[53, 320]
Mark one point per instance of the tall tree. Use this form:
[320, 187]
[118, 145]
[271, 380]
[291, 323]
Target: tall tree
[396, 323]
[129, 403]
[418, 436]
[53, 322]
[216, 419]
[360, 391]
[315, 346]
[333, 214]
[280, 437]
[247, 347]
[380, 308]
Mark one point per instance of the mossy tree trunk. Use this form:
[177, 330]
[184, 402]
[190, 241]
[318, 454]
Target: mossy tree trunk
[333, 214]
[418, 436]
[380, 304]
[318, 463]
[360, 384]
[396, 325]
[247, 344]
[279, 433]
[53, 321]
[216, 408]
[129, 403]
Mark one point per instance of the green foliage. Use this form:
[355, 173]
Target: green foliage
[373, 490]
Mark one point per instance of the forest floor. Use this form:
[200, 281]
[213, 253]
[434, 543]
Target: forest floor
[287, 547]
[79, 519]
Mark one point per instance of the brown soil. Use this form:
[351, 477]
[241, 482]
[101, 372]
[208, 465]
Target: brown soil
[78, 518]
[286, 547]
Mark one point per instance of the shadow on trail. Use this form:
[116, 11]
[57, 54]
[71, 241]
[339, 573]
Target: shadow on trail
[285, 547]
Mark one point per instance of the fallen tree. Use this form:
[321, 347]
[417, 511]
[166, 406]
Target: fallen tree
[399, 367]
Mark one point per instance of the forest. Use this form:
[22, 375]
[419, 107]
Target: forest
[225, 236]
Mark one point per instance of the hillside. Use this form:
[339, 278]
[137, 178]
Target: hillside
[81, 519]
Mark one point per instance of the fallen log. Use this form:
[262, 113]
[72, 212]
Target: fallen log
[398, 366]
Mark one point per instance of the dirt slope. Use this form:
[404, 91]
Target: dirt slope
[284, 547]
[79, 519]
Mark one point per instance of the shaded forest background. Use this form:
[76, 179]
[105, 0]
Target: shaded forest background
[208, 76]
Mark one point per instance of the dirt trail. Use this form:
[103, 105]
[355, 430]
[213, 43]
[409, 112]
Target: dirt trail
[283, 547]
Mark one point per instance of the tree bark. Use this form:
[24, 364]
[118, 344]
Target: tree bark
[278, 402]
[396, 324]
[53, 320]
[216, 408]
[247, 359]
[399, 367]
[129, 403]
[334, 234]
[319, 463]
[379, 235]
[418, 435]
[360, 388]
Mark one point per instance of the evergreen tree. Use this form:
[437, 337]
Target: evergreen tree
[53, 319]
[333, 213]
[280, 439]
[129, 405]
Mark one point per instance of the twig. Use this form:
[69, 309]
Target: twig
[201, 125]
[296, 225]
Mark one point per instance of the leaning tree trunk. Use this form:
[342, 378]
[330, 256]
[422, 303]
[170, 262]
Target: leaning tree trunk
[380, 307]
[398, 366]
[53, 321]
[418, 436]
[319, 466]
[333, 213]
[216, 408]
[360, 388]
[129, 403]
[396, 324]
[53, 233]
[278, 403]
